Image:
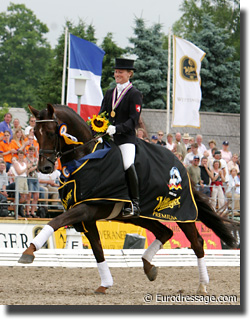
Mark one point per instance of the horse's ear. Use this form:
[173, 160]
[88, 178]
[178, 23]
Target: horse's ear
[33, 111]
[50, 109]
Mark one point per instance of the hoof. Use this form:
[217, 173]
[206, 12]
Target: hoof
[26, 258]
[152, 274]
[101, 290]
[202, 289]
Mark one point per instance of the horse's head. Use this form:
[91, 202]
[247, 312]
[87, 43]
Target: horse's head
[45, 130]
[60, 132]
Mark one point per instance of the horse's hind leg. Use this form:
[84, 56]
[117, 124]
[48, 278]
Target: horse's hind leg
[91, 232]
[162, 235]
[197, 242]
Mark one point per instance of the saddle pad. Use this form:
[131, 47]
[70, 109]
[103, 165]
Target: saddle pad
[165, 188]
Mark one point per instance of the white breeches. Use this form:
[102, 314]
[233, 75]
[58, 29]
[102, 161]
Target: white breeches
[128, 154]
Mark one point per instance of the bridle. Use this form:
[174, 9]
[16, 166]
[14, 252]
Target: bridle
[57, 153]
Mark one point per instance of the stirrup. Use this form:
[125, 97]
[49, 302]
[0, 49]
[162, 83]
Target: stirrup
[131, 212]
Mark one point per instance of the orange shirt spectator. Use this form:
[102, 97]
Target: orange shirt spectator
[17, 142]
[30, 141]
[6, 149]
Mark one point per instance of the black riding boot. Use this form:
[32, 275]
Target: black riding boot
[133, 187]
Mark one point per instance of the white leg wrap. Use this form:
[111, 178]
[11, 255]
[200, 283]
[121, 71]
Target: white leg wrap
[104, 272]
[202, 270]
[42, 236]
[152, 250]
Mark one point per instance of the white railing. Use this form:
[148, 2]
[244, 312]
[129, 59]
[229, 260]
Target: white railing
[230, 208]
[84, 258]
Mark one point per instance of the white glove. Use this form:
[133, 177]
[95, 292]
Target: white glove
[111, 130]
[100, 140]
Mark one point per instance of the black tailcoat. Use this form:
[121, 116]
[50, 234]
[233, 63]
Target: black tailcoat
[126, 115]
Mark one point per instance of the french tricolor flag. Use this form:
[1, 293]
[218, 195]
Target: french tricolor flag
[85, 59]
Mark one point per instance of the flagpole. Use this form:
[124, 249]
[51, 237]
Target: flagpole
[64, 66]
[168, 83]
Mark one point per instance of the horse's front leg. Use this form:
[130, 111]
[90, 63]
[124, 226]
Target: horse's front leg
[77, 214]
[91, 232]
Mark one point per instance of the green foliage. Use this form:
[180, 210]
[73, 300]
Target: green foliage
[3, 111]
[24, 53]
[225, 14]
[112, 51]
[219, 74]
[151, 64]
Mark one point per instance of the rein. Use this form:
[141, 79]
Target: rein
[59, 153]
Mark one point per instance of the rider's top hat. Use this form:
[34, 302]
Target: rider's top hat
[121, 63]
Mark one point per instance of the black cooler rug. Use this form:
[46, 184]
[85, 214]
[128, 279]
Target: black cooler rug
[98, 178]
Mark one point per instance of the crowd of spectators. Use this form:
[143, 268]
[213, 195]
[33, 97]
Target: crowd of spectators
[215, 171]
[19, 172]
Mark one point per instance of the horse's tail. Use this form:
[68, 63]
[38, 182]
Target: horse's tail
[221, 226]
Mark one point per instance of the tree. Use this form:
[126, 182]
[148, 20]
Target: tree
[50, 88]
[151, 64]
[225, 14]
[219, 75]
[24, 53]
[112, 51]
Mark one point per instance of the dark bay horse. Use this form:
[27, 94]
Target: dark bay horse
[84, 216]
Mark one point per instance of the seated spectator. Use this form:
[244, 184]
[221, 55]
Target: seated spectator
[179, 156]
[201, 146]
[217, 156]
[3, 182]
[225, 153]
[212, 144]
[50, 183]
[190, 156]
[154, 139]
[18, 171]
[189, 149]
[206, 176]
[160, 137]
[31, 142]
[5, 124]
[191, 140]
[17, 125]
[17, 142]
[170, 143]
[195, 171]
[217, 185]
[180, 146]
[6, 149]
[141, 133]
[33, 183]
[233, 164]
[233, 190]
[32, 123]
[185, 139]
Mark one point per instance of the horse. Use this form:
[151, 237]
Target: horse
[83, 215]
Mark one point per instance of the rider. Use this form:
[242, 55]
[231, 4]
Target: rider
[123, 104]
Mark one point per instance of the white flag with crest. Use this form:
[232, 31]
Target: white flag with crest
[186, 83]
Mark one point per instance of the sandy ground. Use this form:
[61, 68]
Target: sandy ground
[75, 286]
